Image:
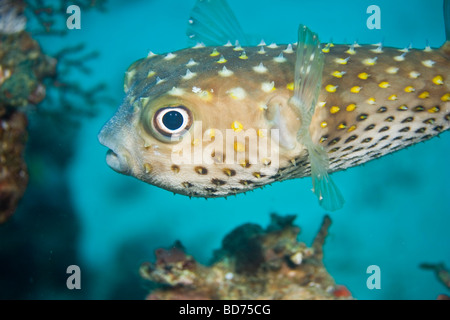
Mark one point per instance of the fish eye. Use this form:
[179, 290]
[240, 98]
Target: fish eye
[172, 121]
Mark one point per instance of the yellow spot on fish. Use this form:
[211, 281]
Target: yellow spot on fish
[438, 80]
[261, 51]
[446, 97]
[244, 163]
[261, 133]
[268, 86]
[414, 74]
[290, 86]
[239, 147]
[355, 89]
[215, 53]
[424, 95]
[428, 63]
[338, 74]
[369, 61]
[378, 50]
[148, 167]
[262, 107]
[331, 88]
[321, 104]
[409, 89]
[334, 109]
[222, 60]
[288, 49]
[195, 142]
[323, 124]
[151, 73]
[243, 56]
[326, 49]
[237, 126]
[237, 93]
[351, 107]
[323, 139]
[342, 126]
[371, 101]
[392, 97]
[384, 84]
[392, 70]
[351, 50]
[351, 128]
[434, 109]
[363, 75]
[211, 133]
[238, 47]
[342, 61]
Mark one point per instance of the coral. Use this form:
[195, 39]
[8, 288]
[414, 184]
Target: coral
[23, 67]
[442, 274]
[253, 263]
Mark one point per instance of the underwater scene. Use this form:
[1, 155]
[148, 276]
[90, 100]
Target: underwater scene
[351, 201]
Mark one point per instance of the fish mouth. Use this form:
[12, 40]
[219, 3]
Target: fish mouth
[117, 162]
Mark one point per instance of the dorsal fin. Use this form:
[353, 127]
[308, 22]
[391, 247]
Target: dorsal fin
[446, 47]
[307, 83]
[213, 23]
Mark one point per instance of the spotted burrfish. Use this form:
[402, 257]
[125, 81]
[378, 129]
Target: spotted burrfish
[217, 120]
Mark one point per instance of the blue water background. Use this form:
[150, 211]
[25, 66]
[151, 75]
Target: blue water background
[397, 211]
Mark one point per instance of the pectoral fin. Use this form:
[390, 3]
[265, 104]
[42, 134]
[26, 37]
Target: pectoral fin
[307, 82]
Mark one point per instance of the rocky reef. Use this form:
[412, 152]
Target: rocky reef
[23, 68]
[253, 263]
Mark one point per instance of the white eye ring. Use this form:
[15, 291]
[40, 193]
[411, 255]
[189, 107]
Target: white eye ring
[160, 120]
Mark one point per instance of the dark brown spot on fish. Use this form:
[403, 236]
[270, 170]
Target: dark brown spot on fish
[218, 182]
[389, 119]
[348, 148]
[334, 141]
[366, 140]
[421, 130]
[405, 129]
[382, 109]
[447, 117]
[386, 146]
[426, 137]
[403, 107]
[210, 190]
[419, 109]
[258, 175]
[351, 138]
[359, 149]
[376, 155]
[245, 182]
[229, 172]
[362, 116]
[323, 139]
[438, 128]
[201, 170]
[383, 129]
[383, 138]
[409, 119]
[186, 184]
[334, 149]
[369, 127]
[397, 138]
[373, 146]
[430, 121]
[175, 168]
[245, 164]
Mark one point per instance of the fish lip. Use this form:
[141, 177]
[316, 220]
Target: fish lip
[118, 162]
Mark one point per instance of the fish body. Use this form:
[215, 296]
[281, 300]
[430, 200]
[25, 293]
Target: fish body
[213, 121]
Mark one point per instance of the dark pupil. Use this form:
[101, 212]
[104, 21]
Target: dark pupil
[173, 120]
